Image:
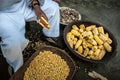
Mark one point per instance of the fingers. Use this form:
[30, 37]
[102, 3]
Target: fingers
[44, 23]
[45, 17]
[41, 17]
[42, 14]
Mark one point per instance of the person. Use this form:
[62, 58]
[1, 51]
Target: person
[13, 15]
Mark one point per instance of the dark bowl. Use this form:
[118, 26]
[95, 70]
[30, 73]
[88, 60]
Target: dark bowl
[107, 56]
[20, 73]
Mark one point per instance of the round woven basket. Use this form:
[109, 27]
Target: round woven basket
[107, 56]
[71, 9]
[20, 73]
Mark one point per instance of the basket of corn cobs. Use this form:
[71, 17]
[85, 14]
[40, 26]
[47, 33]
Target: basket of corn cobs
[48, 63]
[90, 41]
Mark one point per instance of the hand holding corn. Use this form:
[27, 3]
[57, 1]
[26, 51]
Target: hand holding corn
[41, 17]
[43, 22]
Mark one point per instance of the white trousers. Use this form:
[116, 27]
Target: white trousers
[12, 29]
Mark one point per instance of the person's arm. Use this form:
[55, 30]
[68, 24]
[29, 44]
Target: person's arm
[41, 17]
[38, 10]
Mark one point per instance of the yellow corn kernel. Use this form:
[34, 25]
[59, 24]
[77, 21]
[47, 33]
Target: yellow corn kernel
[91, 52]
[74, 32]
[75, 27]
[78, 43]
[102, 54]
[101, 30]
[69, 33]
[89, 45]
[82, 26]
[92, 26]
[98, 40]
[92, 41]
[95, 31]
[72, 36]
[82, 54]
[85, 33]
[84, 45]
[107, 35]
[92, 57]
[97, 52]
[71, 43]
[81, 37]
[88, 57]
[109, 41]
[103, 37]
[81, 30]
[68, 37]
[94, 48]
[101, 47]
[84, 40]
[107, 47]
[80, 49]
[89, 28]
[74, 41]
[86, 51]
[90, 37]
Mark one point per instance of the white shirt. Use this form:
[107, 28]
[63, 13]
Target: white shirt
[7, 3]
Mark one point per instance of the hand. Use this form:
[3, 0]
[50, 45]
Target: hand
[38, 10]
[57, 1]
[40, 14]
[41, 17]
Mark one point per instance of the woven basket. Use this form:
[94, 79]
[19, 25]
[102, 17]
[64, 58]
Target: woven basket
[20, 73]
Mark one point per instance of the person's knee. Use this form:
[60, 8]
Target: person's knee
[55, 7]
[11, 49]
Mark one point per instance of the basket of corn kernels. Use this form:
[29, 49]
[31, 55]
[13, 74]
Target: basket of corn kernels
[48, 63]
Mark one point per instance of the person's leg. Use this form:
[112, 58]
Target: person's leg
[13, 40]
[51, 9]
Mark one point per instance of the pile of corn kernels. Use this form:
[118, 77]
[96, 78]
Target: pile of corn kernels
[47, 66]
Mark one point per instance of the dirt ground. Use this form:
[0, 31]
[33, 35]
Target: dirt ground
[105, 12]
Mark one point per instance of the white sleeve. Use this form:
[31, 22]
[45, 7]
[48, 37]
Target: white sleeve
[30, 1]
